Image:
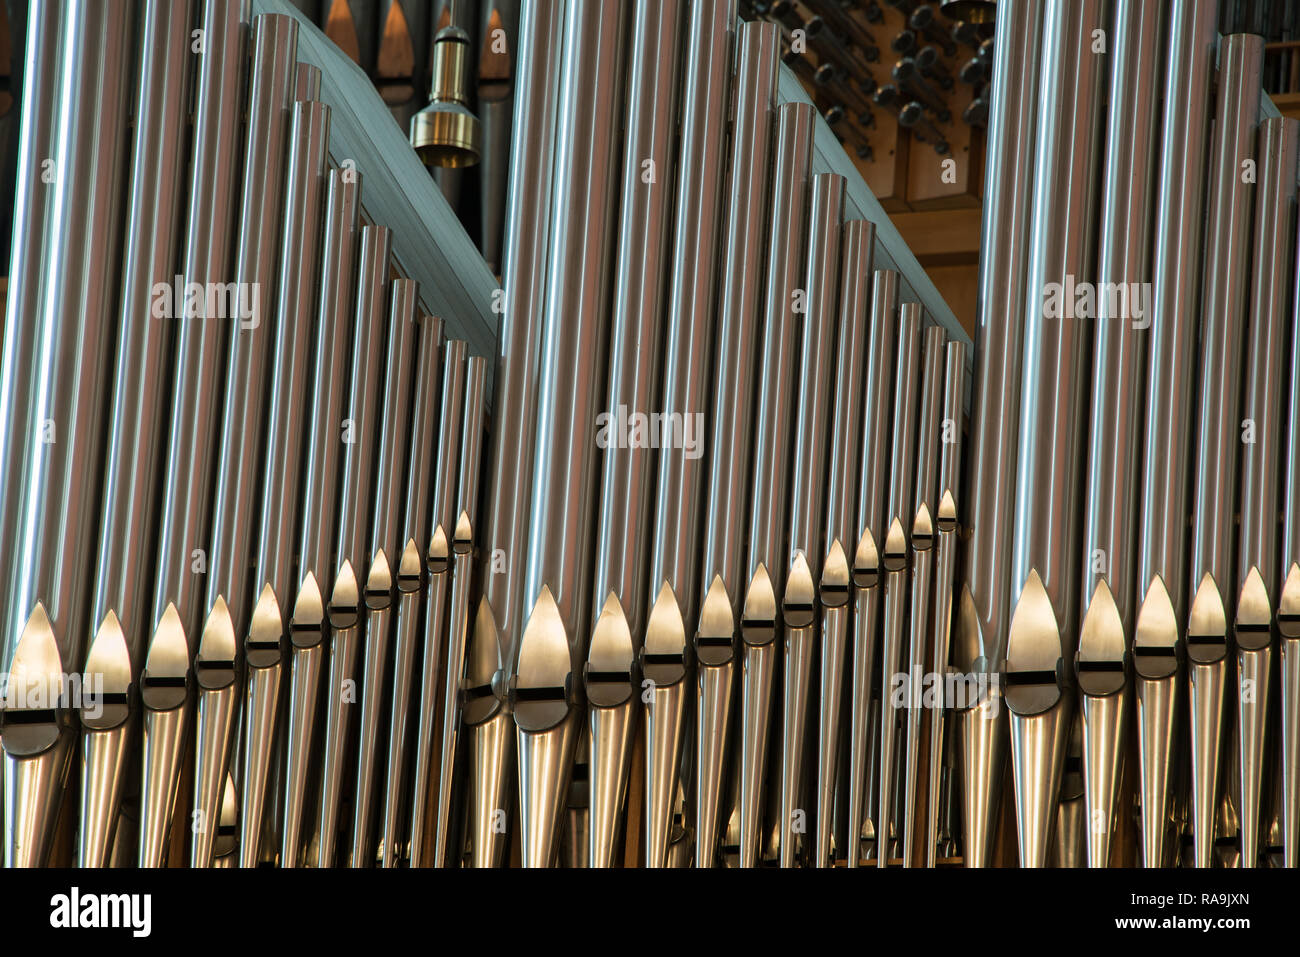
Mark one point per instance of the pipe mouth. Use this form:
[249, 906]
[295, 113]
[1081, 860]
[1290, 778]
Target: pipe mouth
[972, 11]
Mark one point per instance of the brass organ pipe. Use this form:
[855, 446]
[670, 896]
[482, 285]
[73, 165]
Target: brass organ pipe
[154, 225]
[426, 507]
[51, 595]
[1257, 545]
[773, 433]
[498, 40]
[29, 245]
[59, 478]
[808, 491]
[502, 605]
[487, 742]
[893, 550]
[265, 646]
[1288, 611]
[983, 612]
[439, 560]
[732, 410]
[1227, 256]
[945, 557]
[193, 417]
[308, 625]
[442, 520]
[249, 367]
[692, 295]
[196, 398]
[380, 594]
[557, 574]
[625, 493]
[240, 456]
[687, 363]
[528, 209]
[868, 550]
[136, 443]
[843, 484]
[1110, 495]
[465, 509]
[345, 615]
[923, 534]
[1044, 577]
[1162, 532]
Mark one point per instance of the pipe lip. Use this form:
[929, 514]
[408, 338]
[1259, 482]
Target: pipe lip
[32, 690]
[484, 691]
[410, 569]
[800, 600]
[837, 577]
[165, 684]
[542, 691]
[608, 673]
[715, 637]
[215, 663]
[1033, 672]
[307, 623]
[1100, 662]
[663, 658]
[758, 614]
[1207, 624]
[1288, 609]
[110, 662]
[265, 632]
[1254, 622]
[228, 818]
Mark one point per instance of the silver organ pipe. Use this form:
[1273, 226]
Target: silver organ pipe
[721, 560]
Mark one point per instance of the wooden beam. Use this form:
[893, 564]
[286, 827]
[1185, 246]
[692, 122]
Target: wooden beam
[949, 237]
[1288, 104]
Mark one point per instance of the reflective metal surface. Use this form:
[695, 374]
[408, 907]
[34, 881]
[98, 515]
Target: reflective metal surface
[725, 504]
[573, 349]
[257, 562]
[1215, 465]
[1110, 490]
[1257, 548]
[766, 563]
[1162, 532]
[868, 573]
[627, 468]
[984, 603]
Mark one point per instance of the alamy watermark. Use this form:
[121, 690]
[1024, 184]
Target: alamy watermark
[76, 692]
[207, 300]
[1128, 301]
[622, 429]
[81, 910]
[942, 690]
